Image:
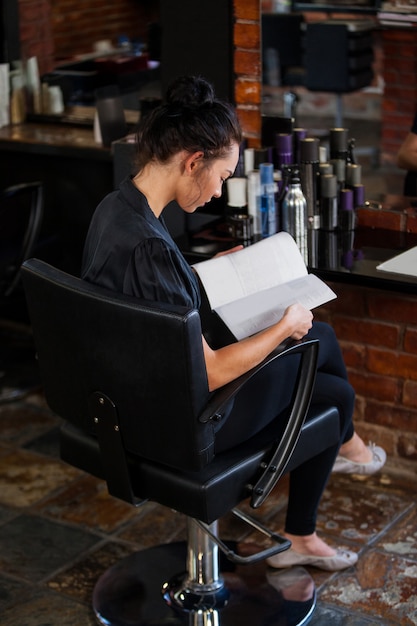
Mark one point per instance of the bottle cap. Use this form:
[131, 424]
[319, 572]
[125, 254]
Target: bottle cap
[358, 195]
[266, 171]
[260, 156]
[283, 142]
[353, 174]
[236, 192]
[346, 200]
[338, 139]
[328, 186]
[309, 150]
[249, 160]
[325, 168]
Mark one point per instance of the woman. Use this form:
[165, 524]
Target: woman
[407, 160]
[187, 148]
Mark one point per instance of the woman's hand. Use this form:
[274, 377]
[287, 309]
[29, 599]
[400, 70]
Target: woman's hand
[299, 319]
[234, 249]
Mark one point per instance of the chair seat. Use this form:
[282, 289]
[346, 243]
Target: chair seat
[209, 493]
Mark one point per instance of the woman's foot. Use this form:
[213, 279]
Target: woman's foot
[311, 550]
[356, 458]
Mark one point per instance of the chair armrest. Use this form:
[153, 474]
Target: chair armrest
[274, 468]
[222, 396]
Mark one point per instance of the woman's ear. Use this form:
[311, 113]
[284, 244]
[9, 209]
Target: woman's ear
[192, 161]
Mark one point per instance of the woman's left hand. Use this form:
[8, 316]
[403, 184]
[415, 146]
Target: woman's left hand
[234, 249]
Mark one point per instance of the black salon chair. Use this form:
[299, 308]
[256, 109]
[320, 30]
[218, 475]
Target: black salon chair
[129, 380]
[21, 213]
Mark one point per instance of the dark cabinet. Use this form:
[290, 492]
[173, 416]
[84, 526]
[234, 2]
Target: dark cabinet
[197, 38]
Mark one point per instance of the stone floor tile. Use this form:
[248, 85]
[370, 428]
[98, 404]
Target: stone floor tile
[157, 525]
[26, 478]
[11, 592]
[381, 585]
[45, 608]
[32, 548]
[401, 538]
[78, 581]
[87, 502]
[327, 615]
[6, 514]
[356, 511]
[21, 422]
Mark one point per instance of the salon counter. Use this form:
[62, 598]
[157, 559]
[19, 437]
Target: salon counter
[77, 173]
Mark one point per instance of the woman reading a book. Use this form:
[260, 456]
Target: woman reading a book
[186, 149]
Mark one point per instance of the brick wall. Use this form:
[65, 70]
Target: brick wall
[93, 20]
[36, 32]
[378, 334]
[400, 92]
[248, 67]
[377, 330]
[50, 29]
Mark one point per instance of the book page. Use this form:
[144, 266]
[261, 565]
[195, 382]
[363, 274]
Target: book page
[405, 263]
[267, 263]
[258, 311]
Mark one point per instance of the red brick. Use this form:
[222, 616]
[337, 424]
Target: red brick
[407, 447]
[350, 301]
[247, 36]
[382, 388]
[402, 309]
[390, 363]
[398, 418]
[410, 340]
[246, 9]
[247, 62]
[410, 394]
[250, 120]
[247, 91]
[353, 354]
[366, 331]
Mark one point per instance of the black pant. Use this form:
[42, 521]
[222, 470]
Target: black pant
[267, 395]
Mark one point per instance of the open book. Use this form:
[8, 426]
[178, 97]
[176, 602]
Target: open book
[251, 288]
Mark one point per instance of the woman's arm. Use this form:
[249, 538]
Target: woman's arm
[407, 154]
[230, 362]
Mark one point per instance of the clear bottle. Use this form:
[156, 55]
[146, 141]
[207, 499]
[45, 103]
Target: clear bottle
[294, 214]
[267, 200]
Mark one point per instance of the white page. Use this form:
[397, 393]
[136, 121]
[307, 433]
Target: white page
[269, 262]
[404, 263]
[260, 310]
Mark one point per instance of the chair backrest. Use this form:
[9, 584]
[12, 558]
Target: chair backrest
[21, 212]
[146, 358]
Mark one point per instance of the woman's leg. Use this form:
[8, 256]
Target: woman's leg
[330, 359]
[308, 481]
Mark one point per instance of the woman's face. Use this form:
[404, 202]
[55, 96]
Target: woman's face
[206, 180]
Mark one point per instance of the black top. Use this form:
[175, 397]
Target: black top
[129, 250]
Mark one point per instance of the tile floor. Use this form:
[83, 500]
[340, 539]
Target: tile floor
[59, 530]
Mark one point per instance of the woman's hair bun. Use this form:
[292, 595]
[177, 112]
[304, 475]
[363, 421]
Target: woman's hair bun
[191, 91]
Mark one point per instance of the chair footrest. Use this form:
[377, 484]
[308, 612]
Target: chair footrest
[280, 543]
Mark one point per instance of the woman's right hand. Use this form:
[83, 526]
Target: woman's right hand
[299, 319]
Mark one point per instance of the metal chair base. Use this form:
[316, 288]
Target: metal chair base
[140, 590]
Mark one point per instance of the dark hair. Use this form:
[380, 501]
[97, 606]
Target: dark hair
[191, 118]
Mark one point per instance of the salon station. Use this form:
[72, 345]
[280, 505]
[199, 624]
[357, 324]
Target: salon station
[91, 533]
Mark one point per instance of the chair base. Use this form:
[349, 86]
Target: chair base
[130, 593]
